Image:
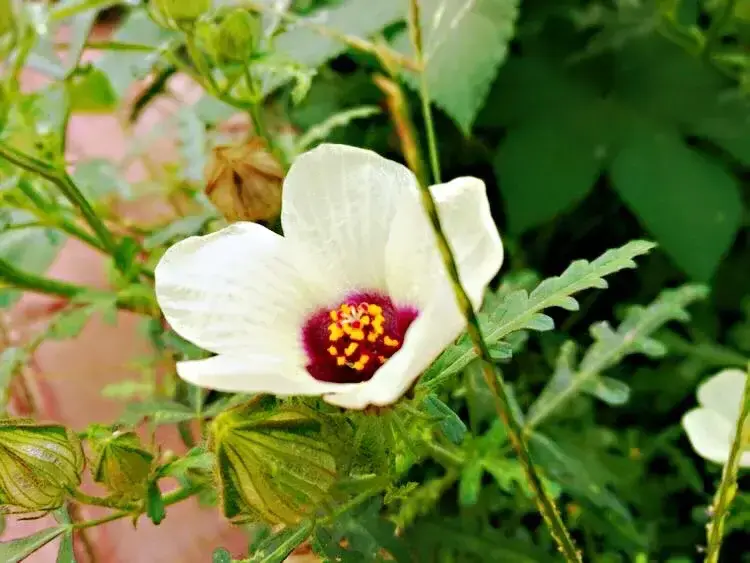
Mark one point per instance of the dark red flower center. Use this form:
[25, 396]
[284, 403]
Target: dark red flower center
[348, 343]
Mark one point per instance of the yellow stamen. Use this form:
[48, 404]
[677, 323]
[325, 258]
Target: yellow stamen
[356, 334]
[374, 309]
[334, 315]
[351, 348]
[333, 351]
[388, 341]
[335, 332]
[360, 364]
[372, 337]
[340, 361]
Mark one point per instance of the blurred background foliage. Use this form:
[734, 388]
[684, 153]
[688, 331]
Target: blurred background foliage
[592, 122]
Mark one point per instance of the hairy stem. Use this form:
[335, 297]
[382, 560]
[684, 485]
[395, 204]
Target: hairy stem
[728, 487]
[544, 502]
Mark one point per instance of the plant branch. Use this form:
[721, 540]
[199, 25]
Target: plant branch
[728, 487]
[544, 502]
[65, 183]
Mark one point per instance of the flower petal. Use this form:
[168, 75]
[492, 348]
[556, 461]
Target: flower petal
[416, 276]
[710, 434]
[235, 291]
[414, 268]
[722, 393]
[338, 206]
[254, 374]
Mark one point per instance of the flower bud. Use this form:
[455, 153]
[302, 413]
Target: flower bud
[244, 181]
[178, 14]
[237, 36]
[39, 463]
[273, 465]
[120, 462]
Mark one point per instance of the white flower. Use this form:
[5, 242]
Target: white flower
[711, 427]
[352, 303]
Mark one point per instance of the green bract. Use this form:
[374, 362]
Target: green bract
[236, 36]
[120, 461]
[39, 464]
[273, 466]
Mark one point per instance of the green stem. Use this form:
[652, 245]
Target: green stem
[709, 352]
[19, 279]
[172, 497]
[544, 502]
[65, 183]
[259, 122]
[196, 55]
[728, 487]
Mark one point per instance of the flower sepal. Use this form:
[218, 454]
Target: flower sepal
[39, 465]
[275, 464]
[120, 462]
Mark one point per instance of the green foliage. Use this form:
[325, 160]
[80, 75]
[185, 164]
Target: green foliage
[464, 45]
[591, 123]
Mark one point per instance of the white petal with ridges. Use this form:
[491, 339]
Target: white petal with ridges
[415, 269]
[254, 374]
[236, 291]
[416, 276]
[338, 207]
[722, 393]
[710, 434]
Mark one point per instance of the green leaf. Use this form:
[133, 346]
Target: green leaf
[470, 483]
[69, 324]
[221, 555]
[691, 204]
[65, 552]
[343, 118]
[155, 509]
[31, 250]
[17, 550]
[609, 348]
[310, 48]
[609, 514]
[450, 423]
[98, 178]
[520, 310]
[464, 44]
[90, 91]
[181, 228]
[11, 360]
[546, 166]
[278, 546]
[123, 68]
[192, 142]
[159, 412]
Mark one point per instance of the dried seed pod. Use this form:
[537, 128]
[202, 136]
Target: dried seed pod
[244, 181]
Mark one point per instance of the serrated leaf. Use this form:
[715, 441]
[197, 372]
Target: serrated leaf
[690, 203]
[519, 307]
[464, 44]
[450, 423]
[609, 348]
[14, 551]
[343, 118]
[576, 480]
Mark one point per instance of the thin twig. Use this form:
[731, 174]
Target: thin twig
[544, 502]
[728, 487]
